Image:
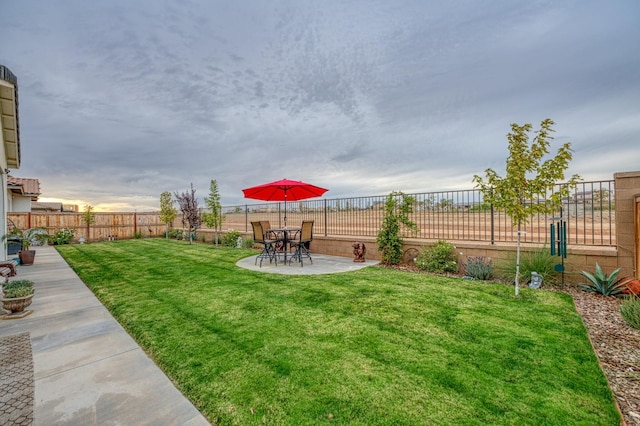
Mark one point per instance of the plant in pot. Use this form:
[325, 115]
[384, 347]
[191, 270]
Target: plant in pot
[17, 296]
[28, 237]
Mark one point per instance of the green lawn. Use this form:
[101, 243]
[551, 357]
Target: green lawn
[371, 347]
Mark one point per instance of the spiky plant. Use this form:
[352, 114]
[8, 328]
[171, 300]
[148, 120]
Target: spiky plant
[630, 311]
[479, 267]
[608, 285]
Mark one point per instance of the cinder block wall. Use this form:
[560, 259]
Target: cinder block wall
[578, 259]
[625, 255]
[627, 221]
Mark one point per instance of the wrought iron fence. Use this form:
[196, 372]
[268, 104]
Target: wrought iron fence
[459, 215]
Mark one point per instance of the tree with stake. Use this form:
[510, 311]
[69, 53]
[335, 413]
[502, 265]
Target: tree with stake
[89, 217]
[212, 202]
[168, 213]
[528, 186]
[190, 211]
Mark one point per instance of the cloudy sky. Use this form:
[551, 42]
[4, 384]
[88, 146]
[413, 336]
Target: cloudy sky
[121, 100]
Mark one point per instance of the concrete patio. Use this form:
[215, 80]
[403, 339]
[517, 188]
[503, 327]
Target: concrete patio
[322, 264]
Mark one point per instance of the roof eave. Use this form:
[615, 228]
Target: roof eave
[10, 119]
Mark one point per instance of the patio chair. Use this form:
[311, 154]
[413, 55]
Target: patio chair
[266, 225]
[278, 236]
[300, 244]
[268, 244]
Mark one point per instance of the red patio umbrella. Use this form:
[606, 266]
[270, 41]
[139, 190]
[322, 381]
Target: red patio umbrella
[284, 190]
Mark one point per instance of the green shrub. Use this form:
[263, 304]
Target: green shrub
[537, 260]
[18, 288]
[137, 235]
[439, 258]
[478, 267]
[601, 283]
[230, 239]
[62, 236]
[630, 311]
[397, 208]
[248, 243]
[177, 234]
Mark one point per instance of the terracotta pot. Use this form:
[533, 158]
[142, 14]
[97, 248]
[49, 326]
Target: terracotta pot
[17, 304]
[27, 257]
[633, 287]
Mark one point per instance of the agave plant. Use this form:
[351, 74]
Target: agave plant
[608, 285]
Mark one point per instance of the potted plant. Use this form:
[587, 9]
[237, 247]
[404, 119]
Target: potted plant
[28, 238]
[17, 295]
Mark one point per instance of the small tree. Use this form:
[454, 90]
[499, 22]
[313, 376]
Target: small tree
[190, 211]
[215, 218]
[397, 208]
[168, 213]
[528, 186]
[89, 218]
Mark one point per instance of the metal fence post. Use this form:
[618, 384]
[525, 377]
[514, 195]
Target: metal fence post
[326, 217]
[492, 227]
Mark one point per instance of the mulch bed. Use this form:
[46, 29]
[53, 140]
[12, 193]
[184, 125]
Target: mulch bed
[616, 344]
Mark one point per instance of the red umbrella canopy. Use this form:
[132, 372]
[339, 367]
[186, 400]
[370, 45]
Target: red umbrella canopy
[284, 190]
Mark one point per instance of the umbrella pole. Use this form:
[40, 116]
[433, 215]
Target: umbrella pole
[285, 208]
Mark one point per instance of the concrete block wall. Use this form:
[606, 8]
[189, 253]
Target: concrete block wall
[625, 255]
[627, 221]
[578, 259]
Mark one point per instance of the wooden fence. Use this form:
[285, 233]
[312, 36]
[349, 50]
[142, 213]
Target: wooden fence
[107, 226]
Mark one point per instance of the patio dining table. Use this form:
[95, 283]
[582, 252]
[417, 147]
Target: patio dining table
[284, 235]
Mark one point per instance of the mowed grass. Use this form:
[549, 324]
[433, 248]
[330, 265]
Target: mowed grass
[371, 347]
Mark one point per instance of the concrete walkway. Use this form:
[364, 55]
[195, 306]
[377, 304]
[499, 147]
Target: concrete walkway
[87, 369]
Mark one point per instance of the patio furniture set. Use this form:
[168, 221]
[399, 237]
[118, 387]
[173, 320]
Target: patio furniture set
[289, 244]
[284, 244]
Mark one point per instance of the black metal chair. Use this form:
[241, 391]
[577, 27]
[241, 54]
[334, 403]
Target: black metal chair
[268, 251]
[278, 244]
[300, 243]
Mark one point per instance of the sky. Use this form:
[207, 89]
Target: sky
[122, 100]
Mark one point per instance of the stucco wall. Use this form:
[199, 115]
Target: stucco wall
[19, 204]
